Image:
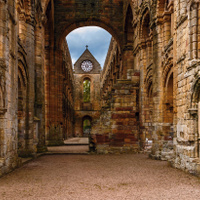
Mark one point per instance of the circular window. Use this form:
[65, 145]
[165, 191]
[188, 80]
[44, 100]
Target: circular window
[86, 66]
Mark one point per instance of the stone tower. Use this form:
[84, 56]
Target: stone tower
[86, 92]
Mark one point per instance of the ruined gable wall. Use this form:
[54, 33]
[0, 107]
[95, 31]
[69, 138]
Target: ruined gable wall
[91, 108]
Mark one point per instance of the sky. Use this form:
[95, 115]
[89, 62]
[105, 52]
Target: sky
[96, 38]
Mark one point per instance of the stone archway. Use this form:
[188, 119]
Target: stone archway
[62, 18]
[86, 125]
[69, 16]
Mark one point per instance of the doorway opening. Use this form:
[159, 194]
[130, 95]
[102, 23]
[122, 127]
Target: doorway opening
[87, 126]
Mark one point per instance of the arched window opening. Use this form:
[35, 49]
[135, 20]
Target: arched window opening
[194, 31]
[169, 101]
[146, 27]
[129, 28]
[86, 90]
[165, 9]
[146, 38]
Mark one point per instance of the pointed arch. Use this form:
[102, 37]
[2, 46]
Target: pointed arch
[129, 31]
[145, 25]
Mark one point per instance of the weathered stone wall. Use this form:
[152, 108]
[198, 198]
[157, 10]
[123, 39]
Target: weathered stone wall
[163, 36]
[119, 121]
[8, 85]
[20, 124]
[186, 141]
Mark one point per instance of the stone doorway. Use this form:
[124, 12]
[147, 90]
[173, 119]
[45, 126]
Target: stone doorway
[87, 125]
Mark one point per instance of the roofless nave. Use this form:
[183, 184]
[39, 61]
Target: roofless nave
[149, 85]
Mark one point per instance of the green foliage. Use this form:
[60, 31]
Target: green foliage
[86, 91]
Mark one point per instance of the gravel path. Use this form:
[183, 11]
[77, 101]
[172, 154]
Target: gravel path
[95, 177]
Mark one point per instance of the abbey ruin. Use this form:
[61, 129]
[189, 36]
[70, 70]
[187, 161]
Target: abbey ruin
[148, 90]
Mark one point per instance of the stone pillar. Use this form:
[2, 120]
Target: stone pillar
[30, 50]
[127, 61]
[55, 132]
[8, 87]
[157, 91]
[39, 85]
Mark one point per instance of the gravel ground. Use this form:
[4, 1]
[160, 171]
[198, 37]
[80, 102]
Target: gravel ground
[95, 177]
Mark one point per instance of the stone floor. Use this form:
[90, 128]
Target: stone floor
[98, 177]
[77, 145]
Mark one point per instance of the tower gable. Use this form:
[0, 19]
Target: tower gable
[87, 56]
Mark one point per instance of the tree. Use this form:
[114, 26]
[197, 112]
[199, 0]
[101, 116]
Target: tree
[86, 91]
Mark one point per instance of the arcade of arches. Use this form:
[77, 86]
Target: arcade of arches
[147, 91]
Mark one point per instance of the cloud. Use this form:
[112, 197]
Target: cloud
[96, 38]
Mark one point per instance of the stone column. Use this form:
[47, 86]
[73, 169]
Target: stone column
[8, 85]
[30, 50]
[127, 60]
[39, 85]
[56, 84]
[157, 91]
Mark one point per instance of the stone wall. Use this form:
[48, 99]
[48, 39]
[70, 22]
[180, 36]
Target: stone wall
[119, 122]
[162, 41]
[59, 97]
[8, 85]
[19, 135]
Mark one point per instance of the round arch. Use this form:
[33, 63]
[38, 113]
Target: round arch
[76, 25]
[86, 77]
[86, 125]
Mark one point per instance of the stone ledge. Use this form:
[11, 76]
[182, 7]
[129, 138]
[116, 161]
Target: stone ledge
[193, 111]
[3, 111]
